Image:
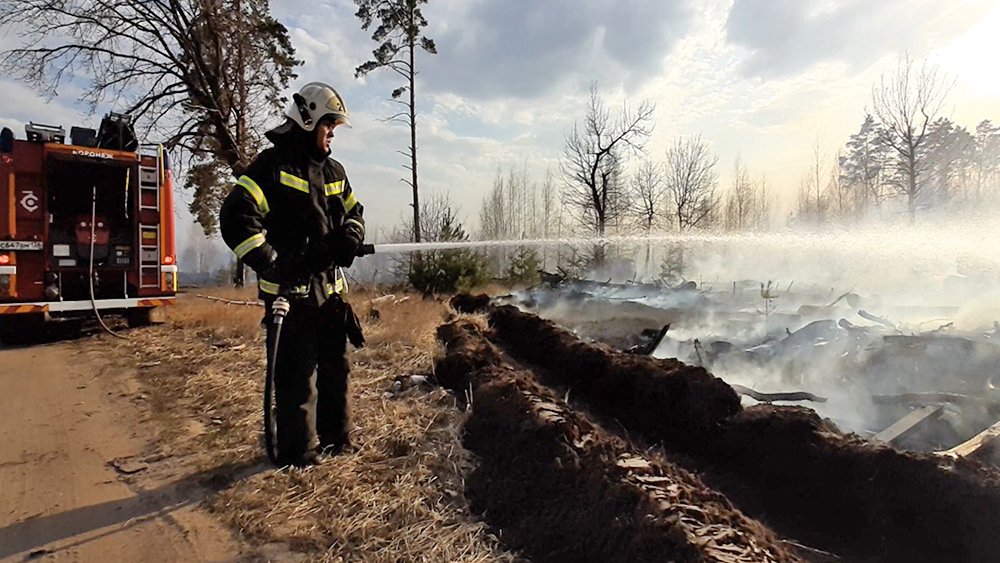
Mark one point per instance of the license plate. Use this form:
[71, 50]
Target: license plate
[21, 245]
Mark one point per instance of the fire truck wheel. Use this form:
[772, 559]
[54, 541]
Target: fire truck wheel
[145, 316]
[21, 328]
[138, 317]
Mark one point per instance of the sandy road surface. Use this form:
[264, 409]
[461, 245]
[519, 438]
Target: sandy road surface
[64, 420]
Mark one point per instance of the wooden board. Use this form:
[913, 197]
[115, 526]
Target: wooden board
[977, 443]
[909, 424]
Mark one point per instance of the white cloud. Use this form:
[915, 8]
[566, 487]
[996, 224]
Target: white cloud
[526, 49]
[783, 37]
[760, 78]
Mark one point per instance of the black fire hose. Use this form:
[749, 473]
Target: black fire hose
[279, 309]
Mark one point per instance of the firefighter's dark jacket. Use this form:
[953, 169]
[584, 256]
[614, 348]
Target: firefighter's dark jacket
[287, 198]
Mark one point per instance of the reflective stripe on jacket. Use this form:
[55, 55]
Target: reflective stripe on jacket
[280, 203]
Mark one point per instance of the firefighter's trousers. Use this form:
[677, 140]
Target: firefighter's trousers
[310, 378]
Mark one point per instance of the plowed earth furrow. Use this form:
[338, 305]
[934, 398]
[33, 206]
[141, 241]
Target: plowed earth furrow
[562, 489]
[810, 480]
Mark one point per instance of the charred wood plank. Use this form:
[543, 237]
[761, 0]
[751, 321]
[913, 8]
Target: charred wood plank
[655, 342]
[979, 444]
[909, 424]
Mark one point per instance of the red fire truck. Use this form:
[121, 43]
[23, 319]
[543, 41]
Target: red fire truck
[85, 225]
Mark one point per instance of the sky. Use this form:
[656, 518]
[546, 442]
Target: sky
[762, 80]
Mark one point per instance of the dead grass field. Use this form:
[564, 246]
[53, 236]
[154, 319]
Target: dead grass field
[398, 496]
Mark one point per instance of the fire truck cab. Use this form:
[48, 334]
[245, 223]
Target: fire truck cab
[55, 195]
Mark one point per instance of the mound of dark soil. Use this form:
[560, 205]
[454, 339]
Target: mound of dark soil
[681, 403]
[785, 463]
[828, 488]
[561, 489]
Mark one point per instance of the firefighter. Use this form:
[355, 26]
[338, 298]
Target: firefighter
[294, 219]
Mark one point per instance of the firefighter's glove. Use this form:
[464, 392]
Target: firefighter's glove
[318, 256]
[345, 243]
[352, 325]
[285, 268]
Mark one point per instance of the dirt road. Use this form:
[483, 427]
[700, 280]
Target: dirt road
[79, 476]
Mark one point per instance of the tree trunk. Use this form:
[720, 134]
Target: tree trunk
[649, 250]
[911, 187]
[413, 141]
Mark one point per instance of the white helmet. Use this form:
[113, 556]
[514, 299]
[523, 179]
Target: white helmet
[315, 101]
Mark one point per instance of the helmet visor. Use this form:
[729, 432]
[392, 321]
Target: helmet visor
[335, 107]
[337, 118]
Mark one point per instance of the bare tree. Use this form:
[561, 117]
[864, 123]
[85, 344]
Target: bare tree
[509, 210]
[817, 176]
[648, 193]
[906, 103]
[807, 209]
[691, 181]
[839, 193]
[765, 203]
[204, 75]
[398, 36]
[813, 205]
[551, 212]
[594, 159]
[521, 195]
[741, 201]
[436, 210]
[493, 223]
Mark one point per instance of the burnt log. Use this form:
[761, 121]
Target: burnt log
[876, 319]
[772, 397]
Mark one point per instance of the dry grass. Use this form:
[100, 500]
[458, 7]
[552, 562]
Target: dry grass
[397, 497]
[238, 322]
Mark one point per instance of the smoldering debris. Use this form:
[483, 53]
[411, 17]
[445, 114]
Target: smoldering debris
[840, 345]
[813, 482]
